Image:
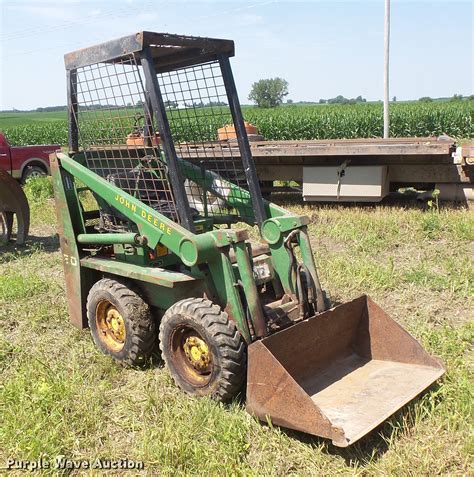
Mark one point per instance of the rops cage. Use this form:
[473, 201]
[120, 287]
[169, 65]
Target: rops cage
[141, 104]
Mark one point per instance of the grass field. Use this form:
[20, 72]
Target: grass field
[60, 396]
[287, 122]
[8, 120]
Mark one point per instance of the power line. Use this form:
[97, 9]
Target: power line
[112, 14]
[92, 18]
[125, 12]
[246, 7]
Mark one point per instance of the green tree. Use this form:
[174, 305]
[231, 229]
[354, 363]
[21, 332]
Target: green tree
[171, 104]
[425, 99]
[269, 93]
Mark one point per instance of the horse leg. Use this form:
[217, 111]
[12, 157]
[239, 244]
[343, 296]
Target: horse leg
[9, 222]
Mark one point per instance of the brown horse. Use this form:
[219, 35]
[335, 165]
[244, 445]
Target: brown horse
[13, 202]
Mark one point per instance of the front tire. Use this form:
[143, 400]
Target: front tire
[203, 350]
[121, 323]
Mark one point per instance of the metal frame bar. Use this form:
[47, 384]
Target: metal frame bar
[104, 52]
[243, 141]
[119, 48]
[73, 130]
[155, 227]
[175, 176]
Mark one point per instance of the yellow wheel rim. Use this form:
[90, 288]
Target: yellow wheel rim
[197, 352]
[110, 326]
[192, 356]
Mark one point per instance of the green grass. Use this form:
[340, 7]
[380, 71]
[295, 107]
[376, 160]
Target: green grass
[60, 396]
[19, 119]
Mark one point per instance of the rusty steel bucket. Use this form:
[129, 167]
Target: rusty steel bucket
[338, 374]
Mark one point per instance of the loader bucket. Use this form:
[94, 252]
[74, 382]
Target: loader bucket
[339, 374]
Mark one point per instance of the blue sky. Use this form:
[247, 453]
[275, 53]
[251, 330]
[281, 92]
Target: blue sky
[322, 48]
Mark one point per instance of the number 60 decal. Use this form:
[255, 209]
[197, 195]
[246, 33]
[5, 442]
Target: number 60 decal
[70, 260]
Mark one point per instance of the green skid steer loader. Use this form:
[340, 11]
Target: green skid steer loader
[147, 201]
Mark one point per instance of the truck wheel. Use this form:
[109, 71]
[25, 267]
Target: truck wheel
[31, 172]
[121, 322]
[203, 350]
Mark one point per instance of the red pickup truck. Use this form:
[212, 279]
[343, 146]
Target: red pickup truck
[23, 162]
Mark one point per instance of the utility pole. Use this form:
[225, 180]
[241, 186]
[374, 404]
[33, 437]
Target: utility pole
[386, 115]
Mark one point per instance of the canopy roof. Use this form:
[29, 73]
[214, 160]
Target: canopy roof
[168, 51]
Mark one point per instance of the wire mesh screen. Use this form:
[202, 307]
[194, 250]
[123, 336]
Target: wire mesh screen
[197, 108]
[117, 135]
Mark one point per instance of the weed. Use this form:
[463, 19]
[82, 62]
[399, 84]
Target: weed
[39, 188]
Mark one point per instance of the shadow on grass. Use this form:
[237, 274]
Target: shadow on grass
[377, 442]
[396, 200]
[11, 251]
[370, 448]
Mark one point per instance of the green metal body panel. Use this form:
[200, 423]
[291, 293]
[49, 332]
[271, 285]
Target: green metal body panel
[198, 264]
[154, 227]
[109, 238]
[308, 259]
[250, 289]
[156, 276]
[78, 279]
[221, 274]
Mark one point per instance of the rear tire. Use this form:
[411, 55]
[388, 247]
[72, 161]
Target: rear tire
[121, 323]
[31, 172]
[203, 350]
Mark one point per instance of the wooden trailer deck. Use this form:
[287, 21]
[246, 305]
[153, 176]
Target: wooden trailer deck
[370, 168]
[345, 169]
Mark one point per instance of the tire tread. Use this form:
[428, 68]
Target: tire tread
[143, 339]
[228, 340]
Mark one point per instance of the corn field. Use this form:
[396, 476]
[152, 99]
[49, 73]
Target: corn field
[364, 121]
[296, 122]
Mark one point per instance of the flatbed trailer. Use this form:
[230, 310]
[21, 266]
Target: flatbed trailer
[354, 169]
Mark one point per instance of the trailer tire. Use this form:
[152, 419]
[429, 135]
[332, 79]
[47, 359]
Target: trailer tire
[121, 322]
[203, 350]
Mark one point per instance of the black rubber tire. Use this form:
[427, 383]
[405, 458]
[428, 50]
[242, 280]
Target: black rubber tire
[32, 171]
[140, 327]
[225, 343]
